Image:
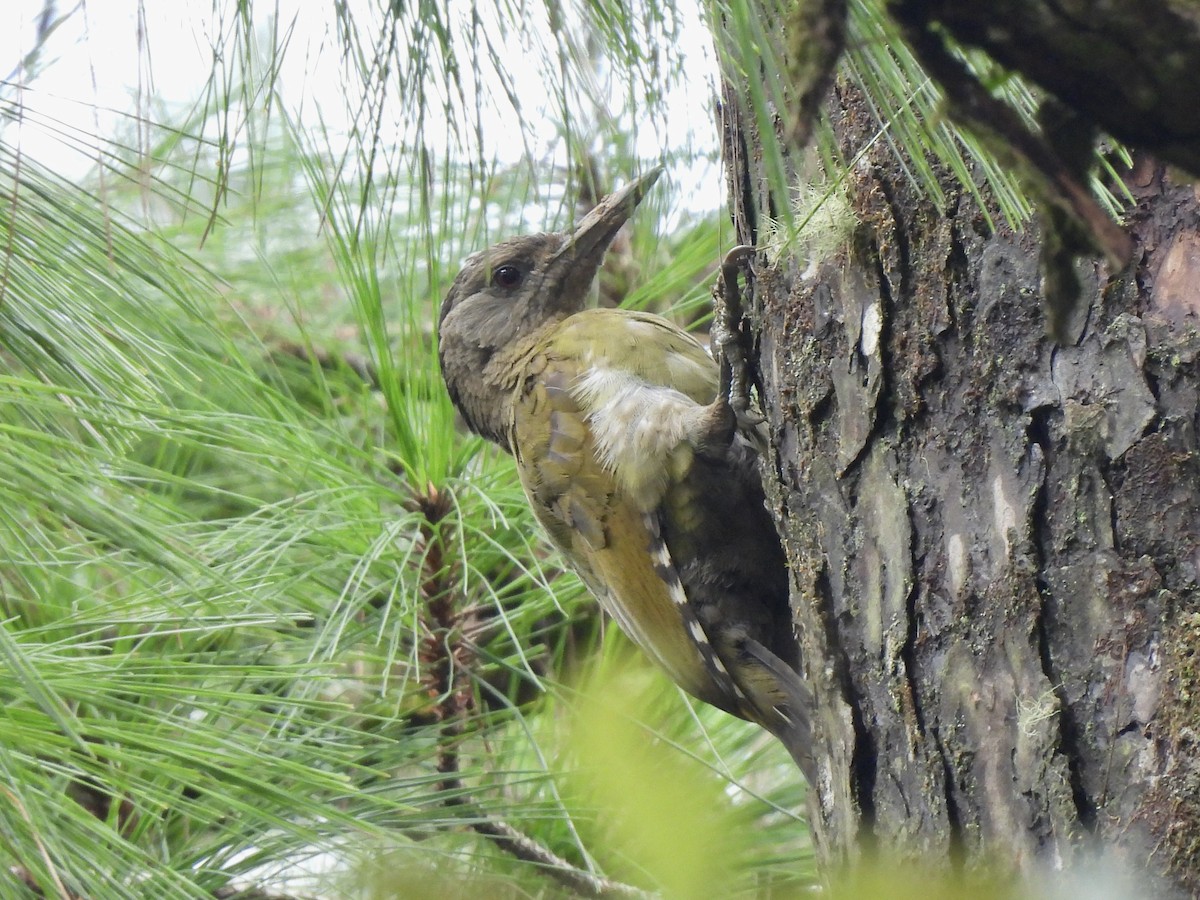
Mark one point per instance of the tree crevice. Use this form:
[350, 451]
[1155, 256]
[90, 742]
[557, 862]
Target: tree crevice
[954, 818]
[864, 753]
[1038, 432]
[1069, 744]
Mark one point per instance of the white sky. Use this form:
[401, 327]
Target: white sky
[87, 85]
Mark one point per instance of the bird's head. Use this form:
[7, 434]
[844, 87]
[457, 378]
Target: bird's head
[513, 288]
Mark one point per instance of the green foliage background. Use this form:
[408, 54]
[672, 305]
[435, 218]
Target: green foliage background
[233, 496]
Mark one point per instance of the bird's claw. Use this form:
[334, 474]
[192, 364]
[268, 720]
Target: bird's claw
[734, 386]
[748, 419]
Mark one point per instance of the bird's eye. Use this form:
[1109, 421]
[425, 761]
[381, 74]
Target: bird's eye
[507, 276]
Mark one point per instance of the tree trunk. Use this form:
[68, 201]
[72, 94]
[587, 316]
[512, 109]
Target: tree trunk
[993, 539]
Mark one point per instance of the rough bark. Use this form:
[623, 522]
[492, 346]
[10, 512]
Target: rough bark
[994, 540]
[1130, 66]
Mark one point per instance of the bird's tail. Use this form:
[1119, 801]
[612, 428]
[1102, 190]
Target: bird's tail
[790, 724]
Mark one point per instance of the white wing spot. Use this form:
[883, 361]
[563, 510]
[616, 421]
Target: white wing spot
[636, 426]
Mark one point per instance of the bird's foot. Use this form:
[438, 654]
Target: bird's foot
[713, 430]
[734, 386]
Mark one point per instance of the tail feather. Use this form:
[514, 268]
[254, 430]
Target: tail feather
[792, 725]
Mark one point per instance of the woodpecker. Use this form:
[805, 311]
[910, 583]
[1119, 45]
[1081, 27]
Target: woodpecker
[635, 463]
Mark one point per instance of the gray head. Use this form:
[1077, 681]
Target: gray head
[510, 290]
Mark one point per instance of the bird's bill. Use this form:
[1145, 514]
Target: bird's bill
[577, 262]
[600, 226]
